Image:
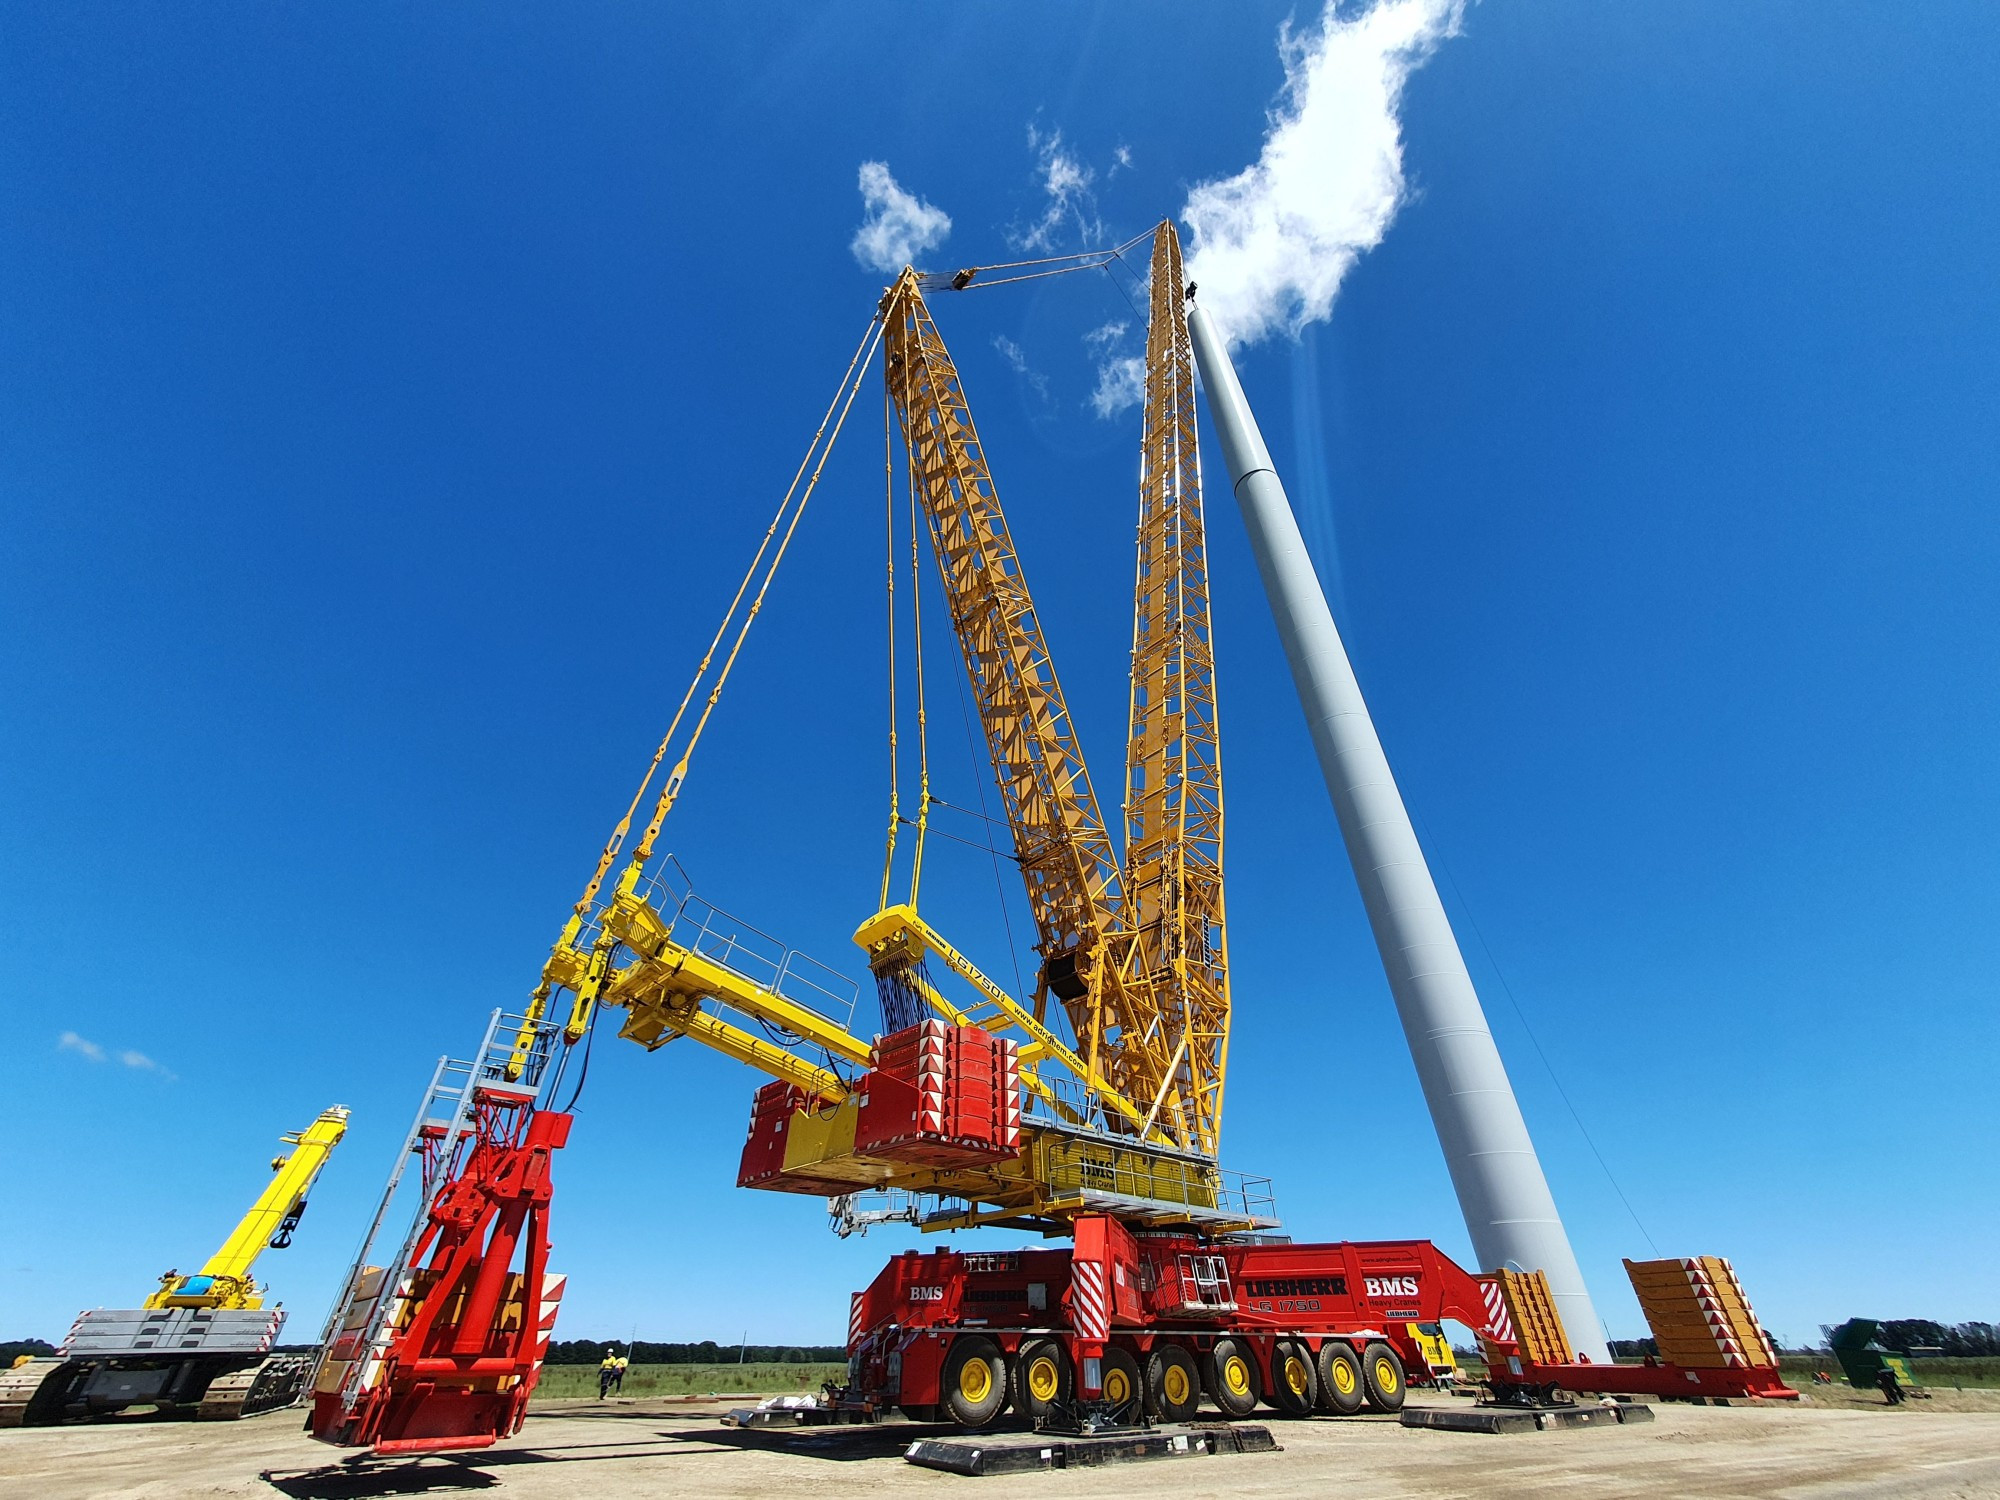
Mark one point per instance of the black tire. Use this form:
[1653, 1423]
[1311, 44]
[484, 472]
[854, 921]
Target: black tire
[1382, 1377]
[1294, 1382]
[973, 1384]
[1119, 1382]
[1340, 1389]
[1042, 1379]
[928, 1415]
[1173, 1385]
[1232, 1378]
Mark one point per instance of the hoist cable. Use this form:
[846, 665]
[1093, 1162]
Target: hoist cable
[923, 730]
[850, 388]
[967, 279]
[889, 558]
[624, 826]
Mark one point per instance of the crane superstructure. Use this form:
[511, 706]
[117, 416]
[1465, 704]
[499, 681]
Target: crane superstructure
[199, 1344]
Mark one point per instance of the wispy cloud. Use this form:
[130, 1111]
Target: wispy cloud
[1120, 383]
[69, 1041]
[1017, 361]
[1068, 200]
[896, 226]
[1121, 377]
[1272, 243]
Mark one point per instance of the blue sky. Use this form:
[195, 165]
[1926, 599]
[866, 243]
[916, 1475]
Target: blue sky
[388, 399]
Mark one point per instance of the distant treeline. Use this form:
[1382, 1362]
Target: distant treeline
[707, 1352]
[1951, 1340]
[13, 1349]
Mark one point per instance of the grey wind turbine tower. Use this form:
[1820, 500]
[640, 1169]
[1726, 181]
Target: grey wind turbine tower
[1505, 1197]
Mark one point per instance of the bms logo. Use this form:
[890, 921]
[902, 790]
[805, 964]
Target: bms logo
[930, 1293]
[1391, 1286]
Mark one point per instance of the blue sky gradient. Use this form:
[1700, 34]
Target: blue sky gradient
[390, 397]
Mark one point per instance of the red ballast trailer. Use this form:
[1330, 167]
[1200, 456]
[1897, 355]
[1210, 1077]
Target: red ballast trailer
[1152, 1322]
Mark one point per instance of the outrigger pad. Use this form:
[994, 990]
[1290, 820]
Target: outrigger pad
[1018, 1453]
[1521, 1419]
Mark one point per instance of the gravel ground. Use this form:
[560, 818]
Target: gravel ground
[622, 1450]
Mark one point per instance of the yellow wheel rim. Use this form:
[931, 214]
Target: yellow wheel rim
[1295, 1374]
[1174, 1385]
[975, 1380]
[1117, 1386]
[1044, 1379]
[1236, 1375]
[1386, 1379]
[1343, 1377]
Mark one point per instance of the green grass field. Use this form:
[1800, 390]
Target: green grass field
[572, 1382]
[569, 1382]
[1943, 1374]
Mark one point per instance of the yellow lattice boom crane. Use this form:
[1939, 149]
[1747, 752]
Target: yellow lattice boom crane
[200, 1345]
[1122, 1077]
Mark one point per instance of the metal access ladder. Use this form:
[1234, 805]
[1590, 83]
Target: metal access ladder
[444, 1122]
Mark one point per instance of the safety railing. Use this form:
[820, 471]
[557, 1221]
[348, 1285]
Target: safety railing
[700, 926]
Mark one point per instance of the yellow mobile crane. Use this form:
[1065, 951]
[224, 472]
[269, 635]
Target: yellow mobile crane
[1123, 1093]
[200, 1344]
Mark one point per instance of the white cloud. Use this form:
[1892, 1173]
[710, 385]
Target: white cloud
[1110, 333]
[1120, 383]
[69, 1041]
[1017, 361]
[1272, 243]
[1066, 185]
[897, 226]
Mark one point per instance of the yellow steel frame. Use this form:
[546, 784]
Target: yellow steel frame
[1173, 762]
[1133, 951]
[1064, 854]
[230, 1284]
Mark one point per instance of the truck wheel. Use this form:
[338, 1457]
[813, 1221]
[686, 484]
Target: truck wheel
[1232, 1378]
[1340, 1389]
[1173, 1387]
[974, 1383]
[1119, 1373]
[1382, 1377]
[1294, 1386]
[1041, 1379]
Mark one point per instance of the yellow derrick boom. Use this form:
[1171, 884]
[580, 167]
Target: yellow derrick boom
[1064, 853]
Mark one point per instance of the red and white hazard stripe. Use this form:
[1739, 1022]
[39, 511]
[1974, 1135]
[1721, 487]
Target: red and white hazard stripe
[1010, 1095]
[1499, 1322]
[553, 1285]
[1710, 1303]
[1088, 1305]
[854, 1306]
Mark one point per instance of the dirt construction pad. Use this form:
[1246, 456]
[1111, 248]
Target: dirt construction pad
[1834, 1446]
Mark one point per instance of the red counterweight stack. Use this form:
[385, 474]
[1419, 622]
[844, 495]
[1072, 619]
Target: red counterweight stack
[770, 1120]
[940, 1096]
